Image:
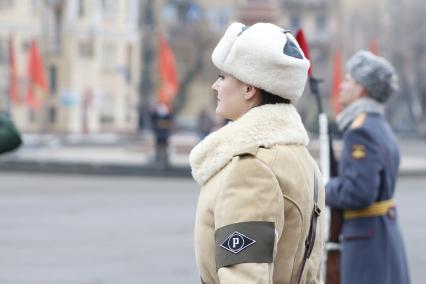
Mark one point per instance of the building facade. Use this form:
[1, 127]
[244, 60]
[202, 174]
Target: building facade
[90, 50]
[92, 55]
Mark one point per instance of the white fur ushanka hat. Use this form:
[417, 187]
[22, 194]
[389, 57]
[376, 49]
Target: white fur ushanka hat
[265, 56]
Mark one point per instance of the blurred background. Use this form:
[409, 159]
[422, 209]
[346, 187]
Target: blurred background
[110, 96]
[97, 63]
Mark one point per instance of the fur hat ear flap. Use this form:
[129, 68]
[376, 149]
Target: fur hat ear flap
[291, 49]
[265, 56]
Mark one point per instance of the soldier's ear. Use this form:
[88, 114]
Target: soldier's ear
[361, 91]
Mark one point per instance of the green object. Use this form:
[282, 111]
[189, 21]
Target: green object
[10, 139]
[245, 242]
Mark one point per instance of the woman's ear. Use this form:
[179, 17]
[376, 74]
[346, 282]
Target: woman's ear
[249, 92]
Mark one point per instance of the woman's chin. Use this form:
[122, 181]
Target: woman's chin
[219, 113]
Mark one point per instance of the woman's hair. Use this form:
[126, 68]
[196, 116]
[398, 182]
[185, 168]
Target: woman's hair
[268, 98]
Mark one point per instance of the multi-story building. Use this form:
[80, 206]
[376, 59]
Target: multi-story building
[91, 53]
[19, 24]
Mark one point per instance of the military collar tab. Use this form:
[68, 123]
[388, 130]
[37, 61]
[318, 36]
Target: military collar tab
[359, 120]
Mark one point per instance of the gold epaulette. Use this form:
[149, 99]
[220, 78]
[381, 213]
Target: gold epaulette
[359, 120]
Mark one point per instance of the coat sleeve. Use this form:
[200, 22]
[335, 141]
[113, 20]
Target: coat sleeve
[10, 139]
[250, 209]
[357, 185]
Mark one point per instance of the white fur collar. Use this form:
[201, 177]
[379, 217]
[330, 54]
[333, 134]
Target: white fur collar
[265, 125]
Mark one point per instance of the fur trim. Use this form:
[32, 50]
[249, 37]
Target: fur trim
[265, 125]
[263, 55]
[361, 105]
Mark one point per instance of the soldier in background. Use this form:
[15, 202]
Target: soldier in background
[372, 247]
[162, 120]
[10, 139]
[205, 123]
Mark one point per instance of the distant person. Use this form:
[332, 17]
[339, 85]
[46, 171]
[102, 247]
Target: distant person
[372, 246]
[162, 120]
[10, 139]
[259, 215]
[205, 123]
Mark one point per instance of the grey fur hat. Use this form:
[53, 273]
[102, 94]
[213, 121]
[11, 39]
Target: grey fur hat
[375, 73]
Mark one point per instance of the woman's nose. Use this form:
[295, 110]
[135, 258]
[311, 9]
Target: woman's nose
[214, 85]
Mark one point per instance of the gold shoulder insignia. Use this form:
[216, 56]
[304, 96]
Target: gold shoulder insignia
[358, 151]
[359, 120]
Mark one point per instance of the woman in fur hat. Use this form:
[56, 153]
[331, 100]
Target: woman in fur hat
[261, 190]
[373, 250]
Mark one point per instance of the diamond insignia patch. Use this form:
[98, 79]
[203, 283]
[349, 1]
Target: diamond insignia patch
[237, 242]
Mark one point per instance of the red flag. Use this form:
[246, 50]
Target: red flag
[169, 84]
[337, 79]
[13, 76]
[300, 37]
[36, 77]
[373, 46]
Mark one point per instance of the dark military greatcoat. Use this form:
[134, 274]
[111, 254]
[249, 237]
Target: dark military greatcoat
[372, 247]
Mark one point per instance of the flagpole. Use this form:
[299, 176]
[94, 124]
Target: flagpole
[328, 168]
[45, 53]
[7, 100]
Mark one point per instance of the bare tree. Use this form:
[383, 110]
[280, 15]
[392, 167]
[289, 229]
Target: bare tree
[417, 62]
[189, 37]
[409, 56]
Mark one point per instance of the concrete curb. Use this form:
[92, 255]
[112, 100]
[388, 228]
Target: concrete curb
[412, 173]
[93, 169]
[122, 169]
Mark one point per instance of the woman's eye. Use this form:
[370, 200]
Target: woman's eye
[221, 76]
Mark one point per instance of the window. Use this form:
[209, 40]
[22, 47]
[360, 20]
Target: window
[107, 110]
[321, 23]
[52, 115]
[34, 6]
[57, 29]
[109, 9]
[295, 22]
[129, 63]
[6, 4]
[4, 52]
[86, 48]
[31, 116]
[25, 45]
[219, 18]
[132, 13]
[109, 57]
[53, 79]
[129, 113]
[81, 8]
